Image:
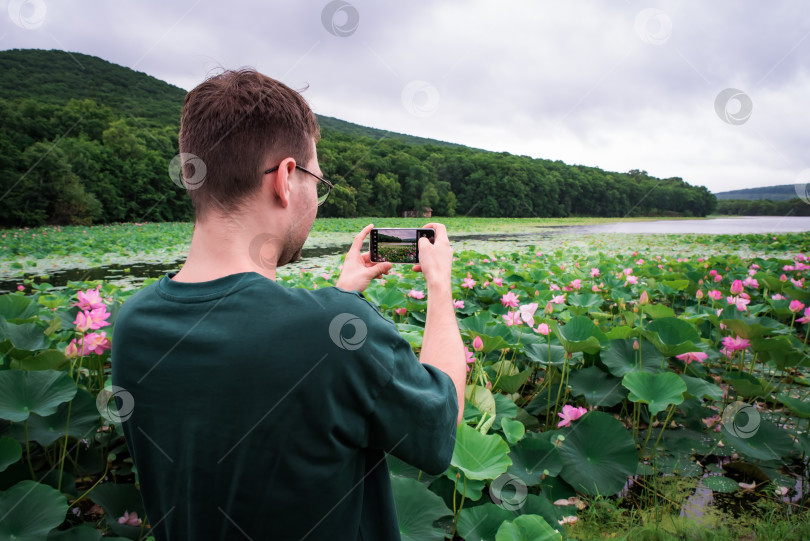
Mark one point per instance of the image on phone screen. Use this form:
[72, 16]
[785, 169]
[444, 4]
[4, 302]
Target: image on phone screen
[397, 245]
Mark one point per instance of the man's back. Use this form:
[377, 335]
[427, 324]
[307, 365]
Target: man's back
[265, 411]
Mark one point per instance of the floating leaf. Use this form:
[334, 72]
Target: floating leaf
[527, 528]
[620, 357]
[10, 452]
[755, 437]
[513, 430]
[478, 455]
[672, 336]
[700, 388]
[719, 483]
[29, 510]
[41, 392]
[800, 408]
[598, 454]
[598, 388]
[481, 523]
[533, 457]
[656, 390]
[417, 509]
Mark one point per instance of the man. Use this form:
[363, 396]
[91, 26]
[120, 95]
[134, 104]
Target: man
[261, 411]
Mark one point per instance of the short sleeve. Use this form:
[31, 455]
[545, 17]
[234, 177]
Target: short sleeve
[414, 416]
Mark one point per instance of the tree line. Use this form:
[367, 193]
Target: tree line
[763, 207]
[82, 162]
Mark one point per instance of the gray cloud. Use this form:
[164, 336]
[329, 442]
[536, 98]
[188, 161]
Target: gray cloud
[578, 81]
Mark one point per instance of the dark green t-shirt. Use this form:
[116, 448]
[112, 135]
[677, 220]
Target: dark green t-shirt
[265, 412]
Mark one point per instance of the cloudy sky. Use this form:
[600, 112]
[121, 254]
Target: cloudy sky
[714, 92]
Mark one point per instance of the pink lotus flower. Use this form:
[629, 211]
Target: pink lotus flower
[692, 356]
[570, 413]
[737, 287]
[400, 311]
[93, 319]
[640, 262]
[783, 278]
[715, 422]
[549, 309]
[542, 329]
[712, 272]
[778, 297]
[510, 299]
[795, 306]
[740, 302]
[89, 300]
[751, 282]
[558, 299]
[798, 283]
[553, 287]
[416, 294]
[90, 343]
[486, 283]
[718, 278]
[594, 272]
[468, 282]
[576, 284]
[478, 344]
[458, 304]
[715, 295]
[20, 287]
[497, 281]
[644, 298]
[631, 280]
[130, 519]
[527, 313]
[735, 344]
[512, 318]
[806, 318]
[699, 294]
[470, 356]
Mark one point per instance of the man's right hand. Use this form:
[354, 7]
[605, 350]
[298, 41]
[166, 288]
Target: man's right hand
[436, 258]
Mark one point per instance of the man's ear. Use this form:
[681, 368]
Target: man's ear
[280, 183]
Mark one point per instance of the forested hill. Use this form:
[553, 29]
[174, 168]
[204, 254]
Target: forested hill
[83, 140]
[783, 192]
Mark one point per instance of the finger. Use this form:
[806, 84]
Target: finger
[357, 244]
[417, 268]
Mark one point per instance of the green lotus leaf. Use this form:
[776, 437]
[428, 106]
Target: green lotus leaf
[41, 392]
[17, 307]
[579, 334]
[719, 483]
[481, 523]
[84, 420]
[598, 454]
[25, 336]
[620, 357]
[79, 533]
[800, 408]
[532, 457]
[417, 509]
[527, 528]
[700, 388]
[672, 336]
[747, 385]
[513, 430]
[598, 388]
[542, 354]
[656, 390]
[752, 436]
[478, 455]
[49, 359]
[10, 452]
[657, 311]
[753, 327]
[29, 510]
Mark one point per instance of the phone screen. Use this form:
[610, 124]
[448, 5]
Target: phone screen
[398, 244]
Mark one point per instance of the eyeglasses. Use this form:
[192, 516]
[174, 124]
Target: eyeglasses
[324, 186]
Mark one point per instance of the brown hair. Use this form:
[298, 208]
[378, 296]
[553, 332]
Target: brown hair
[233, 122]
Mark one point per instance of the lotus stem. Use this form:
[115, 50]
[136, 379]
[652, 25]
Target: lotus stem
[666, 423]
[28, 450]
[64, 448]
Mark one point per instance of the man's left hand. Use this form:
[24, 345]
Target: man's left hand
[358, 269]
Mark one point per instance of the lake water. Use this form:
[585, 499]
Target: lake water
[314, 258]
[716, 226]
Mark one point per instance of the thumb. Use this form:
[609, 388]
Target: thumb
[357, 244]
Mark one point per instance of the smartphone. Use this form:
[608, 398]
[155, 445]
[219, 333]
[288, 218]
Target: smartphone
[398, 244]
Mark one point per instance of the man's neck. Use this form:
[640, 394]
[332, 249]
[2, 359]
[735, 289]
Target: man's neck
[217, 250]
